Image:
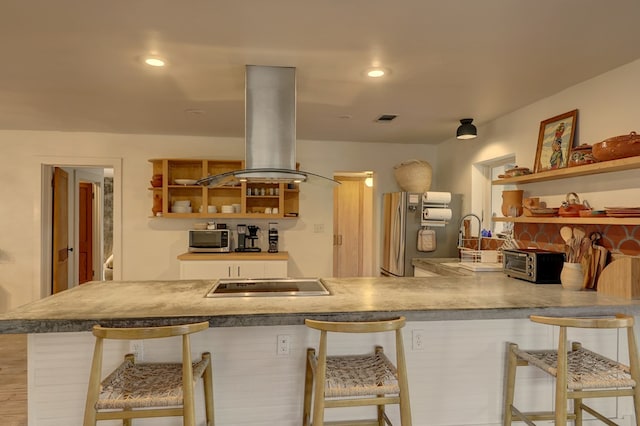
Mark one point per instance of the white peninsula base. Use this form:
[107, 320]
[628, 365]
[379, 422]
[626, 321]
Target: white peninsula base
[457, 379]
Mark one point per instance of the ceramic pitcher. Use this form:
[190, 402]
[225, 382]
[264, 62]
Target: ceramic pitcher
[512, 202]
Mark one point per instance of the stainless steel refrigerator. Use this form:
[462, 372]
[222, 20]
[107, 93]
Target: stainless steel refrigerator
[401, 215]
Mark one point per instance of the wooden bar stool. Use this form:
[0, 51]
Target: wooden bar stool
[137, 390]
[356, 380]
[579, 373]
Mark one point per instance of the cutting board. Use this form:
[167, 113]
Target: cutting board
[482, 267]
[621, 278]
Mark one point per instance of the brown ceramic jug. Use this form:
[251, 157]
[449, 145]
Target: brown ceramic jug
[157, 204]
[512, 202]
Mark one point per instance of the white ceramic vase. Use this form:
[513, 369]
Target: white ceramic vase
[571, 276]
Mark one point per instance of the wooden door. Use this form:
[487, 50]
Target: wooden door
[348, 227]
[85, 233]
[60, 252]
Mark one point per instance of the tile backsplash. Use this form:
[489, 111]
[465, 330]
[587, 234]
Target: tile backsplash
[619, 239]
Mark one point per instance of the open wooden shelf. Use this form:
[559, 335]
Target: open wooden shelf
[568, 172]
[572, 220]
[283, 198]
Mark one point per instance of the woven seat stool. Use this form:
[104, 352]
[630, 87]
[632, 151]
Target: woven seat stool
[579, 373]
[142, 390]
[356, 380]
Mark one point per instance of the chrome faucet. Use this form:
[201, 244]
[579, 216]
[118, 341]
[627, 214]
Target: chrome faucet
[460, 236]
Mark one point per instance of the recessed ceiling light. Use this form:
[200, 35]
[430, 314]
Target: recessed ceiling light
[377, 72]
[194, 111]
[155, 61]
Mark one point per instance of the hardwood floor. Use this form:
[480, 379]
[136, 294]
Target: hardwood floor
[13, 379]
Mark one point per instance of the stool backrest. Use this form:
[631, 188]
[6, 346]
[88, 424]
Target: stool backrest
[357, 327]
[620, 321]
[136, 333]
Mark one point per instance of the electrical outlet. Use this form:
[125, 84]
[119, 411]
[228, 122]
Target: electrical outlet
[283, 346]
[417, 340]
[318, 228]
[136, 347]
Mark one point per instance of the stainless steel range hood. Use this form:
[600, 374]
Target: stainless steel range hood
[270, 129]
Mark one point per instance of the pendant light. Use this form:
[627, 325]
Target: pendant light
[466, 129]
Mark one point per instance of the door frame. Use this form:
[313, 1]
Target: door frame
[43, 204]
[88, 175]
[367, 206]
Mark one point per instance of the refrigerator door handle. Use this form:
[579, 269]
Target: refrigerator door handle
[398, 233]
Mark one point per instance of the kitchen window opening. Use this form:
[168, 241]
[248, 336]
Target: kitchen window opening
[492, 194]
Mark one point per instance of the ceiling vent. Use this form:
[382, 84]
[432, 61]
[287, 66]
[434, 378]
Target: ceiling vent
[386, 118]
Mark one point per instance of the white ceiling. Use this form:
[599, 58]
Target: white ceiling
[74, 65]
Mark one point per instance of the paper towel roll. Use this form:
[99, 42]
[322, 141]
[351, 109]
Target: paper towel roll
[436, 214]
[436, 197]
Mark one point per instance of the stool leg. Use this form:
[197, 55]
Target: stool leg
[634, 366]
[403, 381]
[381, 421]
[308, 388]
[207, 382]
[561, 379]
[321, 374]
[510, 383]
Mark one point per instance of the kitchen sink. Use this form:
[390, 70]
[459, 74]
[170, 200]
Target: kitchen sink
[268, 287]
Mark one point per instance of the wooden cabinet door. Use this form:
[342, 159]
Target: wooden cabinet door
[205, 269]
[60, 250]
[276, 269]
[214, 269]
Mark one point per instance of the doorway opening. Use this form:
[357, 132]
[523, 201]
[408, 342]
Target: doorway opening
[80, 223]
[353, 230]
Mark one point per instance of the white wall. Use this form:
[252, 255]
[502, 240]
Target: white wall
[150, 246]
[607, 106]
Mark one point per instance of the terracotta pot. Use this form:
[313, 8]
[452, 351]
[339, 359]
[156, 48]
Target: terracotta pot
[572, 206]
[512, 202]
[157, 204]
[617, 147]
[156, 181]
[581, 155]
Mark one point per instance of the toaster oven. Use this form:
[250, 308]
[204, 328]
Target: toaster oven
[534, 265]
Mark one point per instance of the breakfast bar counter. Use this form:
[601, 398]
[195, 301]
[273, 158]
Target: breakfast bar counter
[473, 297]
[463, 322]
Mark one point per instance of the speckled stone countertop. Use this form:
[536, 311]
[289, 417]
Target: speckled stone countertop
[137, 303]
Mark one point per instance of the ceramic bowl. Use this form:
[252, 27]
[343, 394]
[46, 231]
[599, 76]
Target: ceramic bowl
[180, 209]
[185, 181]
[617, 147]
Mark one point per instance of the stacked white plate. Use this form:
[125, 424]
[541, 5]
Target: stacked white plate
[180, 209]
[227, 209]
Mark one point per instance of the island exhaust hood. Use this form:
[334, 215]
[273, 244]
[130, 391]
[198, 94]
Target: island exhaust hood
[270, 129]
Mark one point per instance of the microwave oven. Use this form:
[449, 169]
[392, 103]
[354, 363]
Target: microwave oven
[535, 265]
[209, 241]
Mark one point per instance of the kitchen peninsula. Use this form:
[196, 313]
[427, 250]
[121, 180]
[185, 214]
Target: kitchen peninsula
[465, 321]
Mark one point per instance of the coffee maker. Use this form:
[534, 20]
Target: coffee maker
[253, 236]
[273, 238]
[247, 241]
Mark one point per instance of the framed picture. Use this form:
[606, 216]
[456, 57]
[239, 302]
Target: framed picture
[555, 141]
